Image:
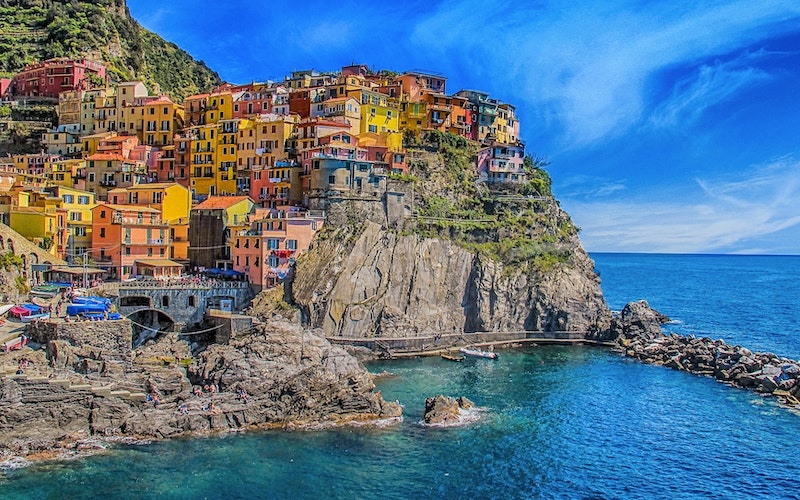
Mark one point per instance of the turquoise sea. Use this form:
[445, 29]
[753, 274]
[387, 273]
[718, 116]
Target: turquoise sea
[557, 422]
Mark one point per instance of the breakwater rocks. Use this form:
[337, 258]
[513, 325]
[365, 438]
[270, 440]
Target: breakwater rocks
[276, 375]
[639, 336]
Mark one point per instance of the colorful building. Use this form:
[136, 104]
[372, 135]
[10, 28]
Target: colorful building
[121, 234]
[210, 226]
[53, 76]
[173, 202]
[275, 237]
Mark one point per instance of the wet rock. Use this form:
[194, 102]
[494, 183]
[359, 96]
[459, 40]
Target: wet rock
[444, 410]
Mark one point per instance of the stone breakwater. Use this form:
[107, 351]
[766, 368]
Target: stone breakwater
[639, 336]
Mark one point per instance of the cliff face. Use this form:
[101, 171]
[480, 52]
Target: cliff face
[441, 252]
[387, 283]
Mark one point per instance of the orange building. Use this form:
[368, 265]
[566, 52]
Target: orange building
[123, 234]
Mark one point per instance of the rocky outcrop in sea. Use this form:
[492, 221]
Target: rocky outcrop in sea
[444, 411]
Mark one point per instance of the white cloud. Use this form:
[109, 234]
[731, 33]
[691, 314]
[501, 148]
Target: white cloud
[590, 63]
[710, 85]
[724, 215]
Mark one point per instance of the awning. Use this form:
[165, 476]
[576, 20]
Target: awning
[157, 263]
[77, 271]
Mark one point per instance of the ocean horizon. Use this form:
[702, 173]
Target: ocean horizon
[553, 421]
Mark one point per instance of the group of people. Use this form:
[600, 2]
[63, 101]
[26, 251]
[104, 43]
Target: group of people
[23, 364]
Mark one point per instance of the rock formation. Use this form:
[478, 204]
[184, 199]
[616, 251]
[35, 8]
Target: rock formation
[445, 411]
[390, 284]
[274, 376]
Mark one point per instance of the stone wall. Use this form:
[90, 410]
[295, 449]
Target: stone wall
[113, 337]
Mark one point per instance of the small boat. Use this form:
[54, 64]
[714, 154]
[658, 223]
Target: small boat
[478, 353]
[35, 317]
[452, 357]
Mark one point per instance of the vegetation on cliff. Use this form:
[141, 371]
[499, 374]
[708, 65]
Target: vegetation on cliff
[35, 30]
[520, 225]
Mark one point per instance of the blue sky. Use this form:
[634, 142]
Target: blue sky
[669, 127]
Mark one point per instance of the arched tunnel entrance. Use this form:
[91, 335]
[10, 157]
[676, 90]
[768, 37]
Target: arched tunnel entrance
[149, 324]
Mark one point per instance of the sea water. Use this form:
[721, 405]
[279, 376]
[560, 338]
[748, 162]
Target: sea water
[554, 422]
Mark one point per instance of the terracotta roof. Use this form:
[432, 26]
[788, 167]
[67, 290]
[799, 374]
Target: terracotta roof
[153, 185]
[215, 202]
[120, 138]
[128, 208]
[324, 124]
[106, 156]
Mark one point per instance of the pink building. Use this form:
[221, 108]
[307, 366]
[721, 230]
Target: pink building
[51, 77]
[266, 251]
[415, 85]
[502, 163]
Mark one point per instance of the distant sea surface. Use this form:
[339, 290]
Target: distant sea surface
[556, 422]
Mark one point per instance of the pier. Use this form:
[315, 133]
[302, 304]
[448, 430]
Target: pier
[435, 344]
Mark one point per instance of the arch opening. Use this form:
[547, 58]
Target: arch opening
[149, 324]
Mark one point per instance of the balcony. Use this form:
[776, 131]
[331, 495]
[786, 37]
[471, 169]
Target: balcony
[440, 107]
[108, 183]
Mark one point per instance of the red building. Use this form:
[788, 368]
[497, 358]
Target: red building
[51, 77]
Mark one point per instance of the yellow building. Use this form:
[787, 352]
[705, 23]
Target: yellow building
[219, 106]
[65, 173]
[75, 231]
[203, 162]
[379, 112]
[35, 216]
[155, 119]
[69, 106]
[414, 116]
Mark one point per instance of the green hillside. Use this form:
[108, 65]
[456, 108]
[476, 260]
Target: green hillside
[35, 30]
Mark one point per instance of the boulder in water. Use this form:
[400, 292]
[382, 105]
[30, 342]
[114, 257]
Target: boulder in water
[444, 410]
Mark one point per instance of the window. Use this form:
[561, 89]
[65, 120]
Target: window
[331, 179]
[373, 129]
[165, 301]
[102, 232]
[83, 200]
[273, 243]
[80, 231]
[68, 198]
[291, 244]
[273, 261]
[190, 301]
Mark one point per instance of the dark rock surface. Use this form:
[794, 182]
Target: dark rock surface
[444, 410]
[274, 376]
[638, 335]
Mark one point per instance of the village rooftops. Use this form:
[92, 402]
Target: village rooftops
[128, 208]
[107, 157]
[220, 202]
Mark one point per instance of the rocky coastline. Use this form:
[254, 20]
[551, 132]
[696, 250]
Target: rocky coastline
[638, 335]
[73, 397]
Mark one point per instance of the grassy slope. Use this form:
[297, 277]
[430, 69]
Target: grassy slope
[34, 30]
